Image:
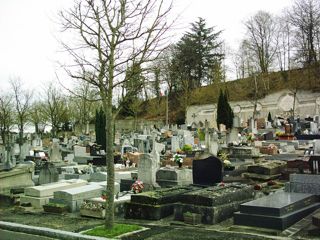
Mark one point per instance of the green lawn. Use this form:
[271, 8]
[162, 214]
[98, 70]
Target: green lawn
[117, 230]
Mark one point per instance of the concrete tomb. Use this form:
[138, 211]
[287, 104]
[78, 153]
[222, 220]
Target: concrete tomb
[157, 204]
[213, 204]
[40, 195]
[74, 197]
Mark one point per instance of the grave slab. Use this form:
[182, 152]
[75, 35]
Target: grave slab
[47, 190]
[278, 204]
[74, 197]
[274, 222]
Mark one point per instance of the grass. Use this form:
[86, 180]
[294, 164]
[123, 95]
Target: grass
[117, 230]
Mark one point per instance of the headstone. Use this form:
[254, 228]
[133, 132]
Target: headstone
[55, 154]
[169, 177]
[314, 128]
[147, 169]
[175, 144]
[233, 136]
[305, 183]
[236, 122]
[48, 173]
[207, 171]
[316, 147]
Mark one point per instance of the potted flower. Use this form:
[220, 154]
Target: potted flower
[178, 159]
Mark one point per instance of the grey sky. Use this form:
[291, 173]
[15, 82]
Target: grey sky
[28, 43]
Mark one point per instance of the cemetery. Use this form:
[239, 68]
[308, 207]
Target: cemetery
[143, 134]
[170, 176]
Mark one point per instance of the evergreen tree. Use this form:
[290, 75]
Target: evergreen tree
[220, 109]
[229, 113]
[269, 117]
[224, 112]
[197, 54]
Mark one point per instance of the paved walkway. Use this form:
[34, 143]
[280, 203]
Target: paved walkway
[47, 233]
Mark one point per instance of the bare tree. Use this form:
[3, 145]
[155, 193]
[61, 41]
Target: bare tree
[6, 116]
[113, 35]
[22, 99]
[82, 105]
[54, 108]
[263, 39]
[305, 18]
[37, 117]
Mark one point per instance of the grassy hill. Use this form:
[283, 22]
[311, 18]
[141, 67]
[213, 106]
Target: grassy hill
[241, 89]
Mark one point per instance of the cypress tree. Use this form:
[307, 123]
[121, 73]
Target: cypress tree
[229, 113]
[224, 111]
[269, 117]
[220, 111]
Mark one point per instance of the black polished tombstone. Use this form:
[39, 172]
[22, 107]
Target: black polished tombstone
[207, 171]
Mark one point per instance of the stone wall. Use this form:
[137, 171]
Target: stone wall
[279, 103]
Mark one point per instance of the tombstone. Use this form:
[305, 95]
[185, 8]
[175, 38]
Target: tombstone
[207, 171]
[252, 126]
[147, 169]
[55, 154]
[48, 173]
[233, 136]
[25, 150]
[175, 143]
[236, 122]
[314, 128]
[316, 147]
[213, 144]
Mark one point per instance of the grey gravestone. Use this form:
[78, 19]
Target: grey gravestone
[276, 211]
[55, 154]
[147, 168]
[175, 144]
[207, 171]
[48, 174]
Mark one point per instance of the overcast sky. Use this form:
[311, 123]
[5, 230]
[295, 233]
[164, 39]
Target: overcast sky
[28, 28]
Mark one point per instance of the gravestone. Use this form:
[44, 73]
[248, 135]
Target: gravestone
[48, 173]
[169, 177]
[304, 183]
[314, 128]
[276, 211]
[175, 143]
[147, 169]
[55, 154]
[316, 147]
[207, 171]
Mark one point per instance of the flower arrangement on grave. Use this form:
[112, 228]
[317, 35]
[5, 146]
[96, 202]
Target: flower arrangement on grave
[178, 159]
[224, 157]
[187, 148]
[279, 134]
[251, 137]
[93, 206]
[137, 187]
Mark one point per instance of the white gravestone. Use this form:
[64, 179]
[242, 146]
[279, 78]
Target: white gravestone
[147, 169]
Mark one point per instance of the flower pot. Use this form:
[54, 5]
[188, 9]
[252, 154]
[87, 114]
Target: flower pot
[179, 164]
